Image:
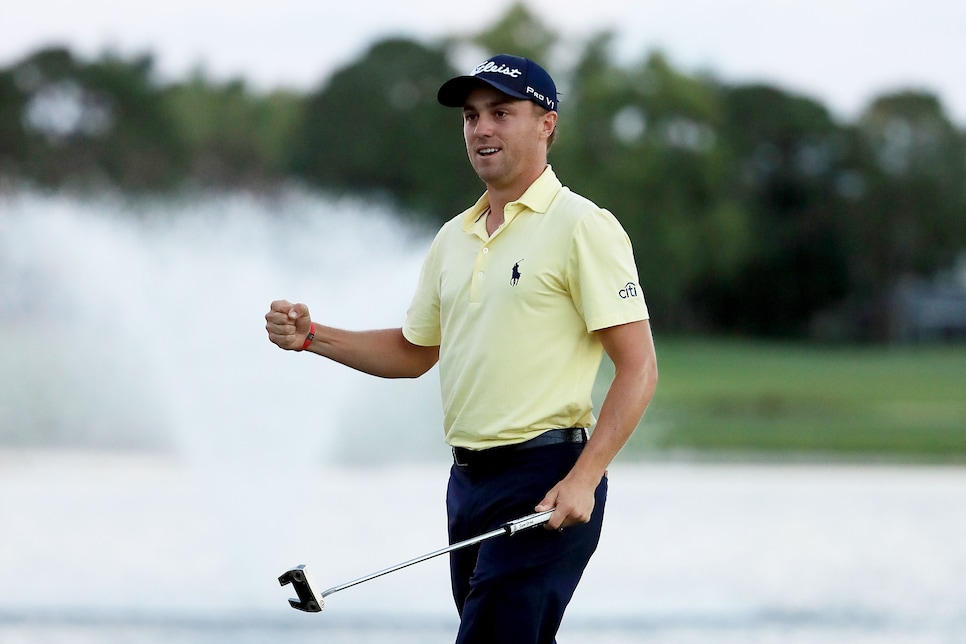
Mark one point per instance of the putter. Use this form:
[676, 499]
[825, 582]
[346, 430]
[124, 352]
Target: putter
[311, 602]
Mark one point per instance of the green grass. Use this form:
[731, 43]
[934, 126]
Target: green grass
[774, 399]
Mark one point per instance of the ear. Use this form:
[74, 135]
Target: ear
[548, 123]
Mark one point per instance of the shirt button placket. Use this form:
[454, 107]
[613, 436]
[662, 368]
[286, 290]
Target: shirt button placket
[478, 274]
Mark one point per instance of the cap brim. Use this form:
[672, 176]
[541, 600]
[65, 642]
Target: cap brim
[453, 92]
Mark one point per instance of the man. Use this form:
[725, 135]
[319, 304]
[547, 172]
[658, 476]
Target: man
[518, 297]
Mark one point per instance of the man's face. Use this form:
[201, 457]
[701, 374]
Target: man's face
[506, 138]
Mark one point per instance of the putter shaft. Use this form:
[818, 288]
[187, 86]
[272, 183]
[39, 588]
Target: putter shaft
[310, 602]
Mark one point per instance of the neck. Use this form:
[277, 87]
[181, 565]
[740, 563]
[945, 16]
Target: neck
[499, 196]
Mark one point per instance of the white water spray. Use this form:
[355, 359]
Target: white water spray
[141, 325]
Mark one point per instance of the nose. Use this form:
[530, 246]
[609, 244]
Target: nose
[483, 126]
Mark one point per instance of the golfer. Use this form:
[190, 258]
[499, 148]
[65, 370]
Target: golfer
[519, 297]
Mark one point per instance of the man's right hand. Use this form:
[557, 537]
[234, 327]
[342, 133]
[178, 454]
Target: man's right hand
[288, 324]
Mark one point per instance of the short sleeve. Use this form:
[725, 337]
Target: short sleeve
[602, 274]
[422, 326]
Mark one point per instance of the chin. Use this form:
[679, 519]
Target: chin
[488, 173]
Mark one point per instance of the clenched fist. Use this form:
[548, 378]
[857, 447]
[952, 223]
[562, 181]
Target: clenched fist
[288, 324]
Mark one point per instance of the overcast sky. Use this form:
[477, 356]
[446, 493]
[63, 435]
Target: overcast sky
[841, 52]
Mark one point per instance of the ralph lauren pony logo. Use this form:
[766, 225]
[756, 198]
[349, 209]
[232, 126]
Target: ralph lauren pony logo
[515, 274]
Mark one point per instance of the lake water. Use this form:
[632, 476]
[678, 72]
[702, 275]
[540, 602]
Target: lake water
[140, 548]
[161, 463]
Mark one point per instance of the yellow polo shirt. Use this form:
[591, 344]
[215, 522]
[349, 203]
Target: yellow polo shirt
[514, 313]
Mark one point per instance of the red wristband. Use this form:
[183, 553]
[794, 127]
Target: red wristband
[309, 337]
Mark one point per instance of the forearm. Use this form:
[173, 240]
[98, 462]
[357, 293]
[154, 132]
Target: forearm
[631, 348]
[635, 379]
[629, 394]
[385, 353]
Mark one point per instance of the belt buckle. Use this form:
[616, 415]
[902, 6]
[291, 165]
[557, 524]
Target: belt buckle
[456, 458]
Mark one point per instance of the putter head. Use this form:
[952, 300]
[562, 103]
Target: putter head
[307, 600]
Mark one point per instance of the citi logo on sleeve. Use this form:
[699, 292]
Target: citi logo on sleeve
[629, 291]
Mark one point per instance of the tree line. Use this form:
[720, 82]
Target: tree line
[752, 209]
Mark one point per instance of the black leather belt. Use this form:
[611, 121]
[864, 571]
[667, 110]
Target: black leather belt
[464, 457]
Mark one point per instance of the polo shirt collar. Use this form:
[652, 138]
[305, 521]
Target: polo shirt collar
[537, 198]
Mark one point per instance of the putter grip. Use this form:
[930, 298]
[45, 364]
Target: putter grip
[529, 521]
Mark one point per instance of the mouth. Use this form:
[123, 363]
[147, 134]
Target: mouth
[486, 152]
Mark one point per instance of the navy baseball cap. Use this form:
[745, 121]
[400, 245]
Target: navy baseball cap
[515, 76]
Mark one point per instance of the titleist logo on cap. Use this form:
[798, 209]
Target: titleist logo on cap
[516, 77]
[489, 67]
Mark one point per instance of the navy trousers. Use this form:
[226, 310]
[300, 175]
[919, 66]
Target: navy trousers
[514, 589]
